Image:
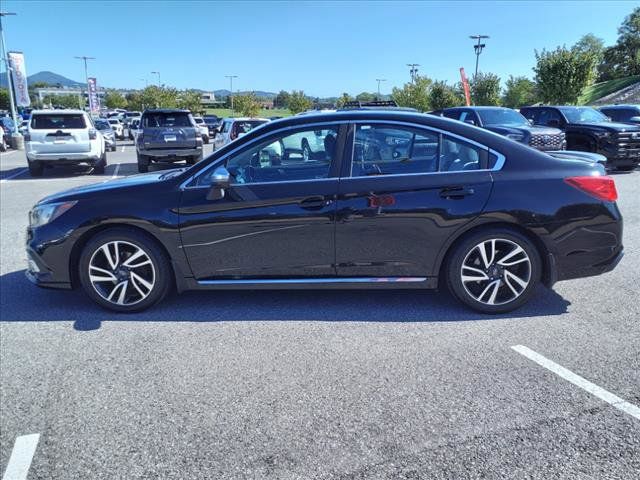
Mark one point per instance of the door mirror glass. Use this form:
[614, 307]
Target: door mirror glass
[470, 121]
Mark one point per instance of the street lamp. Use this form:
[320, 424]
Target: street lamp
[5, 57]
[86, 73]
[158, 74]
[413, 71]
[379, 80]
[478, 47]
[231, 77]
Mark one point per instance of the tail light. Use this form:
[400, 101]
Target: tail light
[92, 134]
[600, 187]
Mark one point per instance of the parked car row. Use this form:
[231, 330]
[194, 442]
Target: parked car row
[613, 132]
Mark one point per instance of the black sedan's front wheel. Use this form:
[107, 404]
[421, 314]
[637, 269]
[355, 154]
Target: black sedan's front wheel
[124, 270]
[494, 271]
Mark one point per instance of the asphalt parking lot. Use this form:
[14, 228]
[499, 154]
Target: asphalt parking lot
[308, 384]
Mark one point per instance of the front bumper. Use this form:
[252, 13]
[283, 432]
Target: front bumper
[40, 274]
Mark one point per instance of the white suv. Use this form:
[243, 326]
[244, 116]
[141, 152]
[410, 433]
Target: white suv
[63, 137]
[233, 128]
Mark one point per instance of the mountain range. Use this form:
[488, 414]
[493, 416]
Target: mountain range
[55, 79]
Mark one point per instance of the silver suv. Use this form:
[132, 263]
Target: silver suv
[63, 137]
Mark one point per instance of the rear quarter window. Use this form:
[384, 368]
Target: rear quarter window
[58, 122]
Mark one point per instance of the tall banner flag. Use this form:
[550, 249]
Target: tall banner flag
[465, 85]
[19, 77]
[94, 101]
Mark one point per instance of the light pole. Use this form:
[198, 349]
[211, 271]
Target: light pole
[231, 77]
[86, 74]
[146, 82]
[379, 80]
[158, 74]
[413, 71]
[14, 116]
[478, 47]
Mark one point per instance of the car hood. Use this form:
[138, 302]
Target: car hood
[110, 185]
[609, 126]
[505, 129]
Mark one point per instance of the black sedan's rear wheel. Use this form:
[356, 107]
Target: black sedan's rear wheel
[494, 271]
[124, 270]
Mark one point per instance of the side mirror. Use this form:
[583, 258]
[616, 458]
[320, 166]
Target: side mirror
[470, 121]
[530, 120]
[220, 180]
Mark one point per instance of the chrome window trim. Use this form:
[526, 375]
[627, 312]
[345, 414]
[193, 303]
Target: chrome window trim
[501, 159]
[184, 186]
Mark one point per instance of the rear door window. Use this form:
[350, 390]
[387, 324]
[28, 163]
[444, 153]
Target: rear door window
[58, 122]
[393, 150]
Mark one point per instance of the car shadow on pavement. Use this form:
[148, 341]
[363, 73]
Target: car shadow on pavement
[22, 302]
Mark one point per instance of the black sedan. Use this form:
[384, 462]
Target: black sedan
[388, 200]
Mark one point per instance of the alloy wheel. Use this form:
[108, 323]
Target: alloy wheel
[122, 273]
[496, 271]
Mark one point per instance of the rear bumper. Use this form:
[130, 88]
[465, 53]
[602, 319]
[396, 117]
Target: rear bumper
[167, 153]
[77, 157]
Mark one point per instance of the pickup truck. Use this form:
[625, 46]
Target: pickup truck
[589, 130]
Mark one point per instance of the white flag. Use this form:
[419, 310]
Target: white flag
[19, 77]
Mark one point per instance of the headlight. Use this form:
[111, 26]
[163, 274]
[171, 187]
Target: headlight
[43, 214]
[518, 137]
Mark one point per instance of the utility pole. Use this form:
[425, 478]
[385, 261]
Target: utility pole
[478, 47]
[413, 71]
[86, 75]
[231, 77]
[158, 74]
[379, 80]
[5, 57]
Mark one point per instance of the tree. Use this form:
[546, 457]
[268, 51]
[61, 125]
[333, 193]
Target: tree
[281, 100]
[190, 100]
[442, 95]
[366, 97]
[4, 99]
[158, 97]
[414, 94]
[246, 105]
[114, 99]
[343, 100]
[299, 102]
[593, 47]
[134, 101]
[520, 91]
[623, 58]
[485, 89]
[562, 74]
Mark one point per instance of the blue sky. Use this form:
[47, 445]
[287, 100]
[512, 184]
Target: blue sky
[324, 48]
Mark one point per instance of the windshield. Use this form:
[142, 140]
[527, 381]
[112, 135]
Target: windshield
[501, 116]
[198, 120]
[114, 122]
[46, 122]
[583, 115]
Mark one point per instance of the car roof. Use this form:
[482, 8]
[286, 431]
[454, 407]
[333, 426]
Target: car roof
[476, 107]
[59, 112]
[166, 110]
[622, 105]
[246, 119]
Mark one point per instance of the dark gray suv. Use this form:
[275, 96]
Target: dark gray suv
[167, 135]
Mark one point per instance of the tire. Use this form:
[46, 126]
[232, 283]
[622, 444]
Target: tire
[494, 291]
[143, 163]
[3, 146]
[35, 168]
[626, 168]
[114, 148]
[306, 151]
[205, 139]
[132, 289]
[98, 168]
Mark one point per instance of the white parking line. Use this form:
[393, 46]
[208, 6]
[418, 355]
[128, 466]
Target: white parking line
[13, 176]
[122, 148]
[115, 172]
[577, 380]
[21, 456]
